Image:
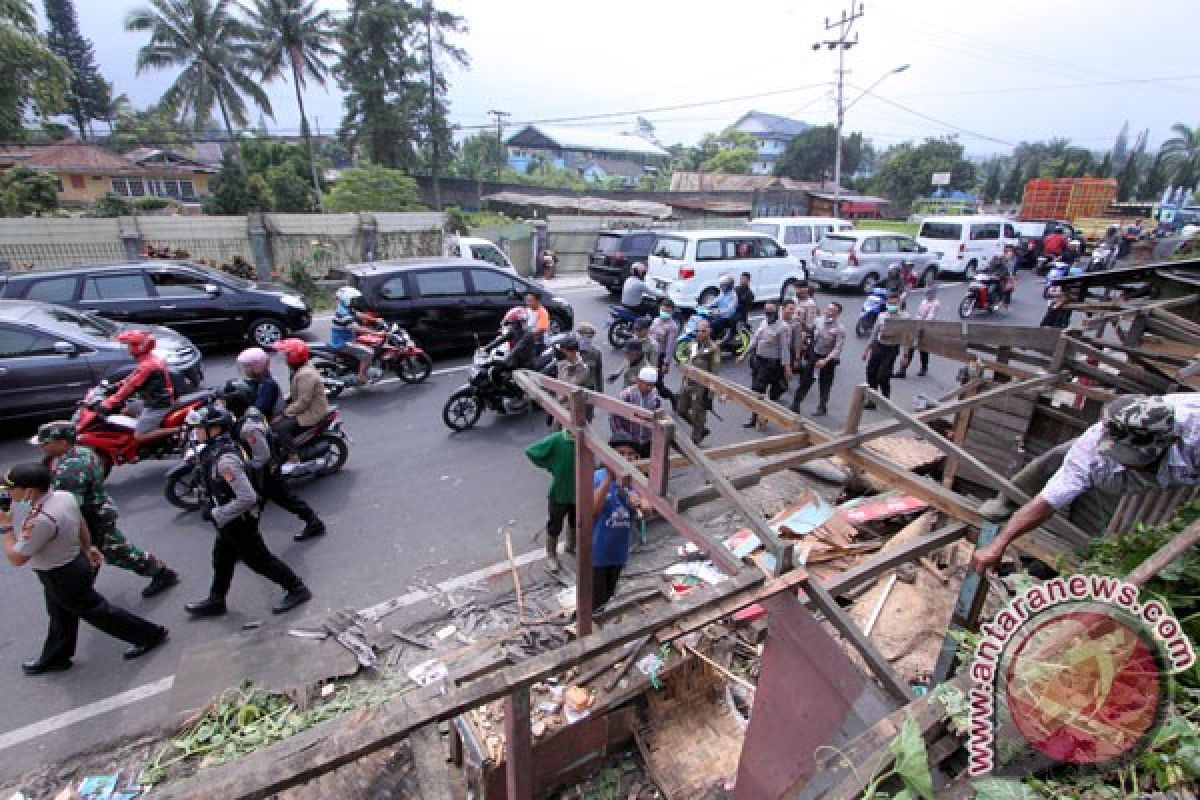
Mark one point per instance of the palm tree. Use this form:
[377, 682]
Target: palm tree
[215, 52]
[292, 34]
[1182, 153]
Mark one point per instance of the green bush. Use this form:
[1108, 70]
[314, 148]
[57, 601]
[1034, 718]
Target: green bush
[111, 205]
[153, 203]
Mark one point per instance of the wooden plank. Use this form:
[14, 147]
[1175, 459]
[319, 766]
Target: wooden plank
[518, 746]
[766, 445]
[430, 761]
[753, 401]
[606, 402]
[339, 741]
[947, 333]
[585, 469]
[660, 463]
[1127, 368]
[1003, 419]
[879, 666]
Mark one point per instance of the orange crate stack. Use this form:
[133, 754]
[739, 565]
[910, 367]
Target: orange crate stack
[1067, 198]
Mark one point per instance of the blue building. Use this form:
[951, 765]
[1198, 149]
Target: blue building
[596, 155]
[771, 136]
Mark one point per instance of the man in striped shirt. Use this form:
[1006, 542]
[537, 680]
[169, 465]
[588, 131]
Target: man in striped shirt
[642, 394]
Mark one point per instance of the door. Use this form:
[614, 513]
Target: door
[889, 254]
[34, 377]
[984, 242]
[59, 290]
[183, 303]
[440, 308]
[773, 268]
[393, 300]
[123, 296]
[798, 239]
[493, 294]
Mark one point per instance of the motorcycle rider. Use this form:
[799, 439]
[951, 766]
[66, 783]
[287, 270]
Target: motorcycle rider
[252, 430]
[1054, 245]
[522, 346]
[347, 324]
[745, 298]
[77, 469]
[150, 382]
[894, 282]
[306, 403]
[997, 278]
[235, 514]
[725, 306]
[254, 364]
[636, 295]
[538, 318]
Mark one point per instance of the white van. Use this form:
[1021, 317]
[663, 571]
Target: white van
[966, 243]
[478, 249]
[799, 235]
[687, 265]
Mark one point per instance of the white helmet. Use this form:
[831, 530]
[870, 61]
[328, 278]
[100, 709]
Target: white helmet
[347, 295]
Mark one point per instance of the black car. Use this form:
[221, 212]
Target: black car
[445, 303]
[1033, 231]
[205, 305]
[50, 356]
[615, 252]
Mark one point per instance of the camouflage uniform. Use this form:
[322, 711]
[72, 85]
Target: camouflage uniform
[80, 472]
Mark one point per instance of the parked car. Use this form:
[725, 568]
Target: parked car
[480, 250]
[964, 244]
[50, 356]
[206, 305]
[799, 235]
[445, 303]
[861, 258]
[615, 252]
[1033, 231]
[687, 265]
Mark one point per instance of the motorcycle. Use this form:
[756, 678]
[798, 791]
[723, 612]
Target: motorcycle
[110, 435]
[1061, 269]
[322, 449]
[736, 338]
[1104, 256]
[394, 350]
[487, 389]
[620, 326]
[872, 307]
[985, 293]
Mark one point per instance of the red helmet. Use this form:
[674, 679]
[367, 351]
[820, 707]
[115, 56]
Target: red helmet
[295, 351]
[139, 342]
[516, 316]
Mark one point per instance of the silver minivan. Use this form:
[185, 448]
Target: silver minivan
[861, 258]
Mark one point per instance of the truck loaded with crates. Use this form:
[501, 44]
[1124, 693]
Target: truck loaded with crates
[1067, 198]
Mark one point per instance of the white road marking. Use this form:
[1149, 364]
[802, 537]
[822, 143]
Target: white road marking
[449, 370]
[145, 692]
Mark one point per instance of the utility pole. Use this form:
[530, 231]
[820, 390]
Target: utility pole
[434, 118]
[842, 43]
[500, 117]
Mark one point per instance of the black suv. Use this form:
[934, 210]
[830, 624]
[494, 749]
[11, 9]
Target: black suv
[1033, 232]
[445, 303]
[205, 305]
[615, 252]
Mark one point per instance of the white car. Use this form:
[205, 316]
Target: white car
[479, 250]
[687, 265]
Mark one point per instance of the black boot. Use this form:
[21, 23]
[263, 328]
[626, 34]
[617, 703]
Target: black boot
[162, 580]
[552, 551]
[753, 423]
[208, 607]
[313, 528]
[821, 411]
[869, 405]
[293, 598]
[922, 372]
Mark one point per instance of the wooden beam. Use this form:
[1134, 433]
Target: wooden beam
[962, 421]
[660, 461]
[880, 666]
[603, 401]
[429, 761]
[717, 611]
[518, 746]
[585, 469]
[336, 742]
[1127, 368]
[971, 596]
[868, 569]
[765, 445]
[956, 336]
[753, 401]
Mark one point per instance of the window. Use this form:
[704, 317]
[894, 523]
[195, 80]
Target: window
[887, 244]
[798, 234]
[986, 232]
[394, 289]
[607, 243]
[53, 290]
[492, 284]
[187, 190]
[670, 247]
[706, 250]
[641, 245]
[941, 230]
[77, 182]
[838, 244]
[129, 187]
[767, 228]
[76, 324]
[17, 343]
[768, 249]
[870, 245]
[1009, 231]
[115, 287]
[742, 248]
[178, 284]
[490, 255]
[58, 185]
[906, 245]
[441, 283]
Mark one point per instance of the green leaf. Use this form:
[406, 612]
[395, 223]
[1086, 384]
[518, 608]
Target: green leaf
[912, 765]
[1002, 789]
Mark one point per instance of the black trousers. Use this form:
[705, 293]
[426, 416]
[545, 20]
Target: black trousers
[285, 430]
[276, 489]
[880, 365]
[767, 376]
[70, 597]
[557, 514]
[604, 584]
[908, 354]
[663, 391]
[238, 541]
[822, 376]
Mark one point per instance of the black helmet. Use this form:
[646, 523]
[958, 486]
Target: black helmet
[213, 417]
[569, 343]
[238, 395]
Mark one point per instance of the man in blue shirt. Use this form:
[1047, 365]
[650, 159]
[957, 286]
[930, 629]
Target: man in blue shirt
[726, 306]
[615, 505]
[345, 326]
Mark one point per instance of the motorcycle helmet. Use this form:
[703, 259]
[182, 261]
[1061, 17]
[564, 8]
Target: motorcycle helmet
[238, 395]
[638, 268]
[295, 351]
[213, 417]
[139, 342]
[725, 282]
[348, 296]
[253, 362]
[516, 316]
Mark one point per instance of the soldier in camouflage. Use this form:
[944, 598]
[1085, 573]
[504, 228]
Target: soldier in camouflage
[78, 470]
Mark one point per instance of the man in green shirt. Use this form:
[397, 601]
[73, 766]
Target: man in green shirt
[556, 454]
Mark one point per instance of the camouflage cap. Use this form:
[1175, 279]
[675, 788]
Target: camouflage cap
[52, 431]
[1137, 429]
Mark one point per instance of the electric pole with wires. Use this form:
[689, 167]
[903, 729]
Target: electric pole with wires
[842, 43]
[500, 116]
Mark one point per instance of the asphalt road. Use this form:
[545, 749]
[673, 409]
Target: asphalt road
[415, 505]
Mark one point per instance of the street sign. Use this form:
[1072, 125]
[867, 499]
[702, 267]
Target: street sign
[941, 179]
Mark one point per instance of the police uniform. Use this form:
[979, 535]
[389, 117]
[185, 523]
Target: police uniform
[881, 361]
[50, 538]
[770, 351]
[253, 431]
[80, 472]
[694, 399]
[823, 344]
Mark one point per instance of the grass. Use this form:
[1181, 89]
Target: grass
[896, 225]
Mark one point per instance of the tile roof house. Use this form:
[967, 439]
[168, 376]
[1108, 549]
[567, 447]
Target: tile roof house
[771, 136]
[86, 172]
[592, 153]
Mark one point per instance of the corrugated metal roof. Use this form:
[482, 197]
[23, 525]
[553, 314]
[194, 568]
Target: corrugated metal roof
[726, 182]
[603, 141]
[770, 124]
[588, 205]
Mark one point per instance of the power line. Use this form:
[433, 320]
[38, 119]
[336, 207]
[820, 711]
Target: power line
[935, 120]
[1023, 89]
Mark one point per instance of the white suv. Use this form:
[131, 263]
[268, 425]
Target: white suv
[687, 265]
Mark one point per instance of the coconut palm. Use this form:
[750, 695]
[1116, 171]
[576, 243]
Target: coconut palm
[214, 50]
[1182, 154]
[293, 35]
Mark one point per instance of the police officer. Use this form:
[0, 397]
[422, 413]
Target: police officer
[695, 399]
[77, 469]
[771, 357]
[253, 431]
[43, 527]
[234, 512]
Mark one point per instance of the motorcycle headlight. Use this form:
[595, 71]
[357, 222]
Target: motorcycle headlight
[294, 301]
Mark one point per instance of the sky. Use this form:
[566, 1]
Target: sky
[995, 73]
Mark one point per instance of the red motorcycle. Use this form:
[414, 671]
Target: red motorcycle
[985, 293]
[110, 435]
[394, 350]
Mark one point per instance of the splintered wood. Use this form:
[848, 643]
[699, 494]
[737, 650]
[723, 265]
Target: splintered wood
[908, 452]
